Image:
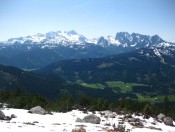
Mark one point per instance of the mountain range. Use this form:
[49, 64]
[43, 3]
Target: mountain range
[40, 50]
[127, 65]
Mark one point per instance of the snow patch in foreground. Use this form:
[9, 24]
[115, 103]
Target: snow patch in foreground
[65, 122]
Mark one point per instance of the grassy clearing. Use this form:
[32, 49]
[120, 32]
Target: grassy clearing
[95, 85]
[154, 99]
[117, 86]
[124, 87]
[121, 87]
[145, 98]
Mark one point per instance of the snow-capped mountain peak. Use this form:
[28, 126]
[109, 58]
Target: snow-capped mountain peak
[107, 41]
[102, 41]
[54, 46]
[121, 39]
[156, 39]
[72, 32]
[58, 37]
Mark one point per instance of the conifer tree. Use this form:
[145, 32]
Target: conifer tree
[166, 105]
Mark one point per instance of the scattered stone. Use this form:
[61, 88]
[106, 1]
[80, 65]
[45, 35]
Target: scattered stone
[7, 118]
[89, 119]
[35, 122]
[136, 114]
[137, 124]
[121, 122]
[13, 116]
[14, 122]
[127, 116]
[160, 121]
[114, 126]
[80, 126]
[2, 115]
[28, 123]
[92, 119]
[121, 118]
[49, 113]
[153, 123]
[79, 130]
[56, 124]
[154, 128]
[140, 114]
[107, 124]
[37, 110]
[131, 120]
[42, 126]
[110, 130]
[102, 113]
[79, 120]
[146, 116]
[109, 114]
[161, 116]
[168, 121]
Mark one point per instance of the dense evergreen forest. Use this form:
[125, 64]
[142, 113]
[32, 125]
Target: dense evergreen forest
[66, 102]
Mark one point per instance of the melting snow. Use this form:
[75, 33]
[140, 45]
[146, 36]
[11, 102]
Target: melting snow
[157, 52]
[94, 41]
[164, 44]
[133, 45]
[112, 40]
[125, 45]
[65, 122]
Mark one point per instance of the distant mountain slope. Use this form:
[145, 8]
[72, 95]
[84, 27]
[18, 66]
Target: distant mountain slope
[12, 78]
[145, 66]
[37, 51]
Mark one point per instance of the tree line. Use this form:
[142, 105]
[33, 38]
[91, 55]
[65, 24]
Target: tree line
[66, 102]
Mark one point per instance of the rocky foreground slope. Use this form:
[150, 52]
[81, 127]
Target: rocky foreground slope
[37, 119]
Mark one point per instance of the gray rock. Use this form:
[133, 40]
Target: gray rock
[7, 118]
[37, 110]
[146, 116]
[168, 121]
[161, 116]
[81, 129]
[13, 116]
[140, 114]
[127, 116]
[79, 120]
[35, 122]
[109, 114]
[154, 128]
[131, 120]
[2, 115]
[92, 119]
[137, 124]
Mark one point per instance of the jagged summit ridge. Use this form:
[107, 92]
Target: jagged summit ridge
[121, 42]
[122, 39]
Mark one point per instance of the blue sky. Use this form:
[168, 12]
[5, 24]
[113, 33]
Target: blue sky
[92, 18]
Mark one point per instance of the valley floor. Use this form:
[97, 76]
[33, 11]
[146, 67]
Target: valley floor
[66, 122]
